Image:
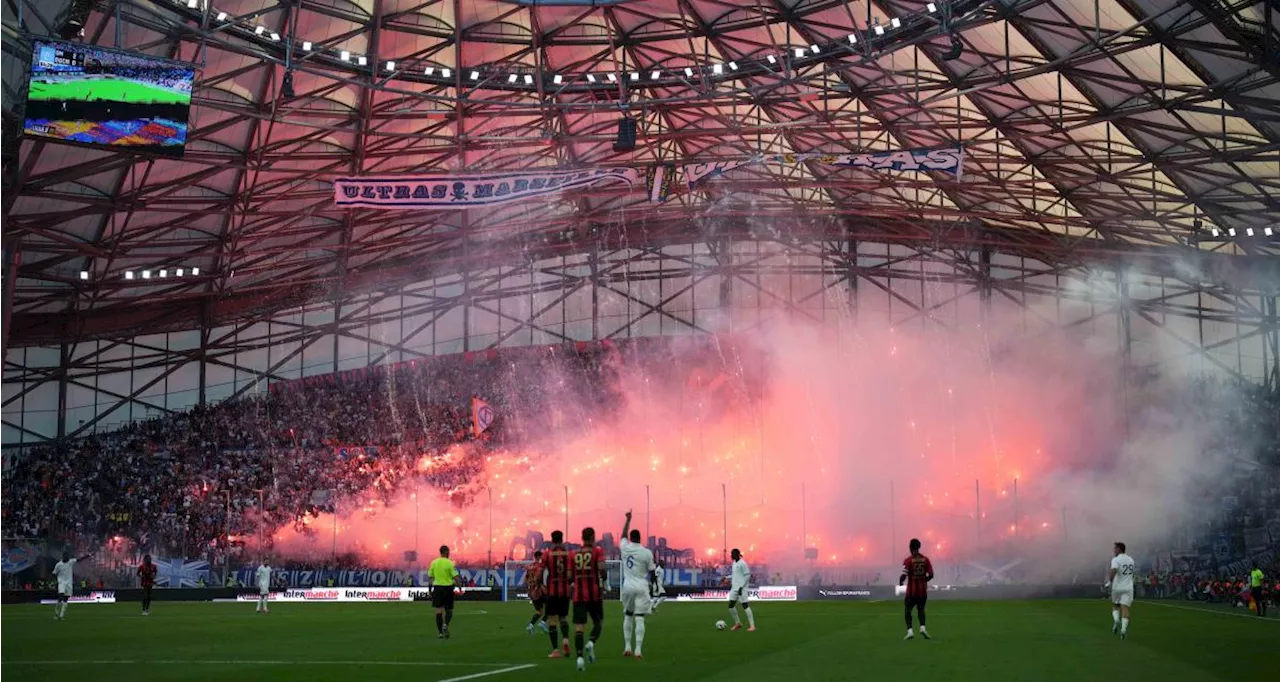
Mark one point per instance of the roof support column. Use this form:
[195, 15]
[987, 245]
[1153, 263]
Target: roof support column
[984, 280]
[1126, 337]
[12, 259]
[1270, 343]
[593, 260]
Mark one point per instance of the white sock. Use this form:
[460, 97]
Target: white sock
[639, 634]
[751, 618]
[910, 632]
[628, 624]
[1124, 625]
[1115, 615]
[736, 619]
[922, 628]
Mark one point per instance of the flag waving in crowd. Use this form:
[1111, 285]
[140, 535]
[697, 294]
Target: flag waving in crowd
[481, 416]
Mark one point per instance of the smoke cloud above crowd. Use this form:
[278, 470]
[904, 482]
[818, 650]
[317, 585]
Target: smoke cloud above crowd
[849, 437]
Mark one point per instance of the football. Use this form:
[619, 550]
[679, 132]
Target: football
[720, 625]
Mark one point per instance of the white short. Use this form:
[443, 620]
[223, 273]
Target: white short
[738, 594]
[264, 591]
[636, 601]
[1122, 597]
[64, 590]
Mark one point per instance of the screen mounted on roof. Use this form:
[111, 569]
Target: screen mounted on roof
[108, 98]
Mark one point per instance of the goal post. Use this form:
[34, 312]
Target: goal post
[514, 572]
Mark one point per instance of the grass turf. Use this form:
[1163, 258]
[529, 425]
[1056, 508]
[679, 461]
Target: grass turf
[1044, 641]
[106, 90]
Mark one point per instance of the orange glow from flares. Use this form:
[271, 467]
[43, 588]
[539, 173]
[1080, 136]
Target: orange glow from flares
[832, 420]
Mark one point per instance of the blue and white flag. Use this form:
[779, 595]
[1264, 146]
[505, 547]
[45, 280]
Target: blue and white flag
[460, 191]
[180, 572]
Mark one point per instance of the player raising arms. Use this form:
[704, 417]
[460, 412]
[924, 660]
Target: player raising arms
[146, 580]
[537, 593]
[588, 597]
[1120, 580]
[64, 571]
[637, 571]
[917, 571]
[559, 586]
[739, 586]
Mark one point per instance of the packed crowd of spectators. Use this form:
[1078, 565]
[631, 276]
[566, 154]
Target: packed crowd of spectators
[192, 483]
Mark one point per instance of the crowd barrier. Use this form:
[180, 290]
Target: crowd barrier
[675, 594]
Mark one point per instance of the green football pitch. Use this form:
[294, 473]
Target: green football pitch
[973, 642]
[106, 90]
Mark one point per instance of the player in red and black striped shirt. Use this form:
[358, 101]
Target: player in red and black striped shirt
[537, 592]
[588, 595]
[146, 580]
[559, 586]
[917, 571]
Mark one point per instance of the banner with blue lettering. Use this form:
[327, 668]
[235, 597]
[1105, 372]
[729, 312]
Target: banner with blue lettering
[459, 191]
[375, 577]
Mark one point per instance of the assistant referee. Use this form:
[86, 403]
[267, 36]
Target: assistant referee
[443, 575]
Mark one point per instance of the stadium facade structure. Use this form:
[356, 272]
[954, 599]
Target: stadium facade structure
[1110, 148]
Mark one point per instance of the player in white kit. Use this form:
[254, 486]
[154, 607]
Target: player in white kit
[63, 571]
[637, 569]
[659, 591]
[739, 585]
[1120, 580]
[263, 578]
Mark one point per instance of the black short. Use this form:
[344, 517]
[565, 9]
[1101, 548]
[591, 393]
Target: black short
[442, 596]
[916, 601]
[584, 609]
[539, 603]
[557, 606]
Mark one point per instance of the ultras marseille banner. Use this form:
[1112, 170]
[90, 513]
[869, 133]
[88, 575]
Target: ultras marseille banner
[458, 191]
[469, 190]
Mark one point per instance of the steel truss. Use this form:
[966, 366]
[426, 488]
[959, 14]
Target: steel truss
[1110, 121]
[733, 281]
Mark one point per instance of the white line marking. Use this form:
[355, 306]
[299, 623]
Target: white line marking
[339, 663]
[487, 673]
[1213, 611]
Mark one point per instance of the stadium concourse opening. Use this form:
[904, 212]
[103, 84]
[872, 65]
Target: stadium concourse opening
[817, 340]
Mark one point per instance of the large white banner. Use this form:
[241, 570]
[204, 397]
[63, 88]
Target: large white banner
[459, 191]
[949, 160]
[765, 593]
[91, 598]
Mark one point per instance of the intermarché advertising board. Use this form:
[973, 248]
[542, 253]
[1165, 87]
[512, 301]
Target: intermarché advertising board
[360, 594]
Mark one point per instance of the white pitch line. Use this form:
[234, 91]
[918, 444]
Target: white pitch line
[1213, 611]
[487, 673]
[455, 664]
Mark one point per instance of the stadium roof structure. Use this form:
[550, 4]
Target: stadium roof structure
[1092, 129]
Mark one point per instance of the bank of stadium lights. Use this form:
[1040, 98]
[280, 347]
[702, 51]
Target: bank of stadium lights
[161, 273]
[805, 52]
